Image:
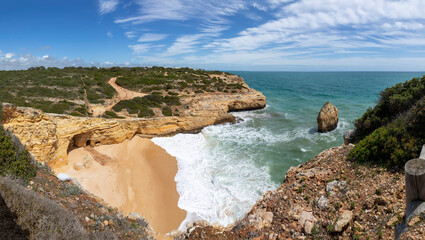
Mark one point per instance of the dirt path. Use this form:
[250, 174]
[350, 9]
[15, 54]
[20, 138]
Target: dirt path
[123, 94]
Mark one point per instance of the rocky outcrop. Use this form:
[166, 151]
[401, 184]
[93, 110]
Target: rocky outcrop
[49, 137]
[327, 197]
[327, 120]
[349, 136]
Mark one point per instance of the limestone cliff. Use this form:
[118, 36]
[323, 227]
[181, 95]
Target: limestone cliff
[49, 137]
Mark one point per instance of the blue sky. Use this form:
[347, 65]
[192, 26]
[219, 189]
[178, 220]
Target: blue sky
[280, 35]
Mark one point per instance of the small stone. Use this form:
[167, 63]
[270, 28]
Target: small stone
[330, 186]
[308, 226]
[92, 216]
[105, 223]
[110, 222]
[87, 219]
[272, 236]
[391, 222]
[133, 216]
[343, 220]
[63, 177]
[413, 221]
[323, 202]
[78, 166]
[267, 216]
[307, 221]
[31, 182]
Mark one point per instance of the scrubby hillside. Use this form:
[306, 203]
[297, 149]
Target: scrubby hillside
[393, 132]
[34, 204]
[80, 91]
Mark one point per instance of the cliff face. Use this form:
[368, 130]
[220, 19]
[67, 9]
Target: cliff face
[49, 137]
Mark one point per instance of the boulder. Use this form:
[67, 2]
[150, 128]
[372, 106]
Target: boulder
[349, 136]
[327, 120]
[307, 221]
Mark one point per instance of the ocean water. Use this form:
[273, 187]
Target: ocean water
[224, 169]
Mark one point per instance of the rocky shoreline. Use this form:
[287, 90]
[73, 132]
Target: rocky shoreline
[327, 197]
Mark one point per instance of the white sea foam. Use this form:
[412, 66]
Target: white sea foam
[222, 172]
[215, 183]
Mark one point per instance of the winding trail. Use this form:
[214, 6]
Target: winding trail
[123, 94]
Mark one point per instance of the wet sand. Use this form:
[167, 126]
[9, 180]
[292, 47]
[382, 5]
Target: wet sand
[134, 176]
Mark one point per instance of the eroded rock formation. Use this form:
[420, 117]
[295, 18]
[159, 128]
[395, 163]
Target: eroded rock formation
[327, 120]
[49, 137]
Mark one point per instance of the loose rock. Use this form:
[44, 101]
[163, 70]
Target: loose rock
[343, 220]
[323, 203]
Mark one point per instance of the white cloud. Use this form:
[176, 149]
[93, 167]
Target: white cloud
[27, 61]
[180, 10]
[9, 55]
[140, 48]
[304, 32]
[109, 34]
[152, 37]
[333, 24]
[107, 6]
[259, 7]
[130, 34]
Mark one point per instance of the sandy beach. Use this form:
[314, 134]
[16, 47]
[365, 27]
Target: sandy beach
[134, 176]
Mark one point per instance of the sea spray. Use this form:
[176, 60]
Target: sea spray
[216, 183]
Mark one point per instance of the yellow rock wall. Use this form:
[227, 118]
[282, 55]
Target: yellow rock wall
[49, 137]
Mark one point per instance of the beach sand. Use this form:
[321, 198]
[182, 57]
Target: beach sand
[134, 176]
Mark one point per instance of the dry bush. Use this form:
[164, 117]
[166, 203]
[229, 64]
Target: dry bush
[43, 218]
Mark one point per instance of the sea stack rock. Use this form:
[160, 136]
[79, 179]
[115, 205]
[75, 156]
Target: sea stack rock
[327, 120]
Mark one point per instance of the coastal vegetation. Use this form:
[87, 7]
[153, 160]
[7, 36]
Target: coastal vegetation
[13, 161]
[393, 131]
[72, 90]
[42, 207]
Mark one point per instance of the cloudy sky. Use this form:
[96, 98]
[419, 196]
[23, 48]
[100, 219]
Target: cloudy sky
[286, 35]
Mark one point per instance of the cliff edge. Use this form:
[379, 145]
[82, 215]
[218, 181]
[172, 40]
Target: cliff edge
[49, 137]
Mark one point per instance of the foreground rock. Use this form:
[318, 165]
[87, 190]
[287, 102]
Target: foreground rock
[349, 136]
[327, 197]
[49, 137]
[327, 120]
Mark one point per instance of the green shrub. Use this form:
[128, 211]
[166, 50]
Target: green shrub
[13, 161]
[71, 190]
[395, 143]
[110, 114]
[393, 101]
[167, 111]
[145, 112]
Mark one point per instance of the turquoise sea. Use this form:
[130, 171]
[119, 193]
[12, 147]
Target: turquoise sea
[224, 169]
